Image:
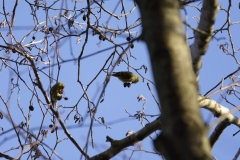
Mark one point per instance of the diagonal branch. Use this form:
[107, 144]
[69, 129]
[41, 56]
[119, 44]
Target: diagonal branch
[217, 132]
[5, 156]
[22, 52]
[118, 145]
[200, 45]
[225, 116]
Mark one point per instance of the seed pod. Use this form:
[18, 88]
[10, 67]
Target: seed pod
[31, 108]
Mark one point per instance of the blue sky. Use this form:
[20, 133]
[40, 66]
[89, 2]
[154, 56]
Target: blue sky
[216, 65]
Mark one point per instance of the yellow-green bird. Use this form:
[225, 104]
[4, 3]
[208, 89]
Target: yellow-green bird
[56, 93]
[126, 77]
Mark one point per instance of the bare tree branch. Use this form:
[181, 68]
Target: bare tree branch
[201, 42]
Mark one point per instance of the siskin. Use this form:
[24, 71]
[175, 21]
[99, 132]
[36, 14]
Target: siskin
[56, 93]
[126, 77]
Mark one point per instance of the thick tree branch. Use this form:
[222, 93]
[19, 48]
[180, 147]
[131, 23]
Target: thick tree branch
[183, 135]
[218, 110]
[226, 118]
[217, 132]
[118, 145]
[200, 45]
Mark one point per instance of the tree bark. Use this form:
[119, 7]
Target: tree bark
[184, 134]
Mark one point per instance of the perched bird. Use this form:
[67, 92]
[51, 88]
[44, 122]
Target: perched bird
[126, 76]
[56, 93]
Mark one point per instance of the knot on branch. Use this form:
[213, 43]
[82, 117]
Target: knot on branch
[113, 142]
